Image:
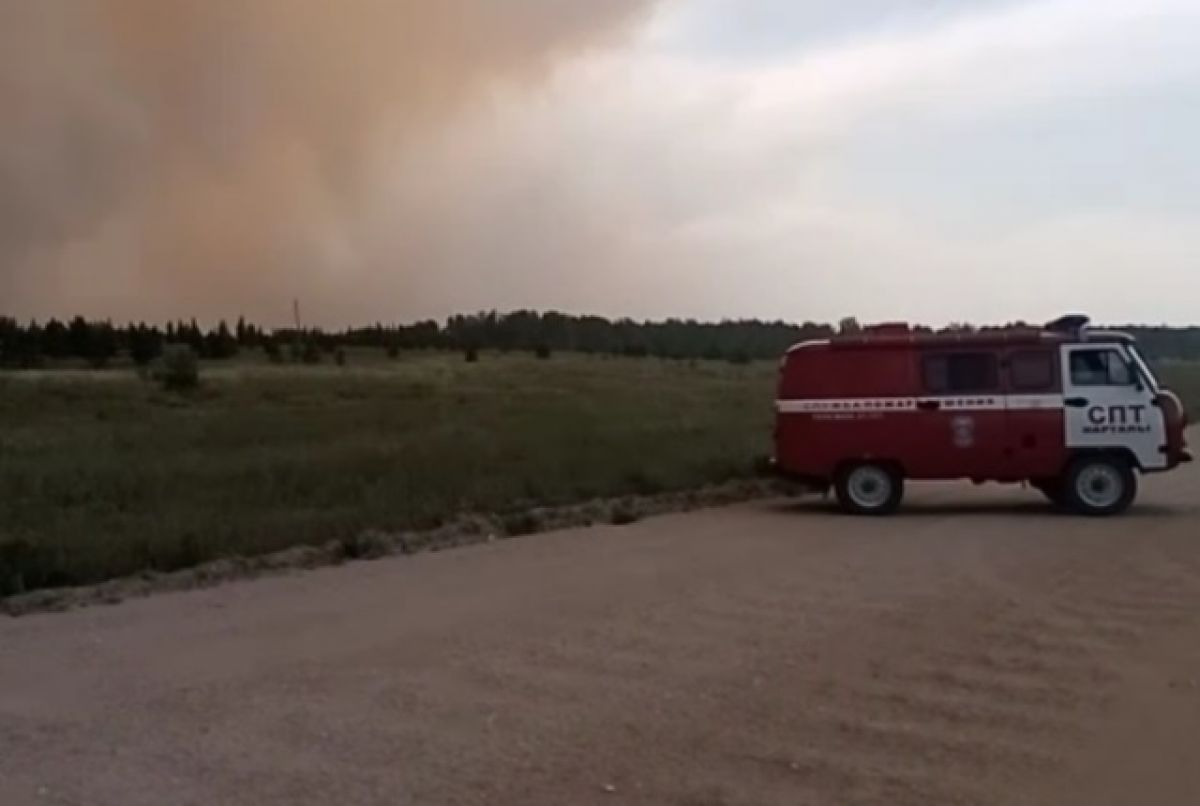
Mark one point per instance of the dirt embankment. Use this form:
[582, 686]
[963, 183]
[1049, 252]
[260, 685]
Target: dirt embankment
[376, 544]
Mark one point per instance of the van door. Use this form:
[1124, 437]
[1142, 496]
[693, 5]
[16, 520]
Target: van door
[1109, 405]
[960, 417]
[1034, 428]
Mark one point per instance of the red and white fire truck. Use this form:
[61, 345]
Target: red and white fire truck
[1074, 411]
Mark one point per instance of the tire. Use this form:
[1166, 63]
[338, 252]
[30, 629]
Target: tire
[1100, 486]
[870, 488]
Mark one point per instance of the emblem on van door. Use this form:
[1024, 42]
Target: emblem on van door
[1117, 420]
[964, 432]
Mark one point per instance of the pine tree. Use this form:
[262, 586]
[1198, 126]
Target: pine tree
[79, 338]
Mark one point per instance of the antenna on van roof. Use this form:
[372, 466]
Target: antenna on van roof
[1072, 325]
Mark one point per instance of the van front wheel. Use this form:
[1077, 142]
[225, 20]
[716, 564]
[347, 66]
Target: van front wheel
[868, 488]
[1100, 486]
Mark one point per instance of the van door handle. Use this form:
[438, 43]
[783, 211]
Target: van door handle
[929, 405]
[1077, 402]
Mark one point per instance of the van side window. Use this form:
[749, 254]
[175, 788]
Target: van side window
[1100, 368]
[1032, 371]
[961, 373]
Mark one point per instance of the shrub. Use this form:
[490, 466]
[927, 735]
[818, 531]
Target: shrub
[624, 513]
[739, 357]
[274, 354]
[764, 467]
[311, 352]
[542, 351]
[16, 559]
[393, 350]
[366, 546]
[144, 348]
[519, 524]
[180, 368]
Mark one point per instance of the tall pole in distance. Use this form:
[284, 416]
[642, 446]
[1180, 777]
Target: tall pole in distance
[298, 348]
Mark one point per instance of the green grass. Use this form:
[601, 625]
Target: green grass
[103, 474]
[1183, 378]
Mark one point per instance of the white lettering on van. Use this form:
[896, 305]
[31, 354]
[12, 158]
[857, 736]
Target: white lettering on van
[1118, 419]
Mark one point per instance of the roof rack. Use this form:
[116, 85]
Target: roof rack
[1071, 325]
[888, 329]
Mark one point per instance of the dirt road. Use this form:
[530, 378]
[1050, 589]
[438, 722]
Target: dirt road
[979, 649]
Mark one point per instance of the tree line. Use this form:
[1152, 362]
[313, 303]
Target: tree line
[33, 344]
[98, 343]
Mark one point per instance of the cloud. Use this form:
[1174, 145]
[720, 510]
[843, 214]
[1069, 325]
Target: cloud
[863, 176]
[179, 156]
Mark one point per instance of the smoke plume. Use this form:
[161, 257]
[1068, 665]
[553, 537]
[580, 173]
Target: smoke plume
[170, 157]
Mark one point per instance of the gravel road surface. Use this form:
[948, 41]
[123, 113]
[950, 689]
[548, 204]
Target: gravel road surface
[978, 649]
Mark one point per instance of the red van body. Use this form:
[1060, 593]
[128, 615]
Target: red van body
[1011, 405]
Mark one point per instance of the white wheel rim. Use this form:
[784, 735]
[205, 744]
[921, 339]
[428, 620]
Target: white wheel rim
[869, 487]
[1100, 486]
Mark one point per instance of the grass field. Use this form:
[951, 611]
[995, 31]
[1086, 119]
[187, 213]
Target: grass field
[1184, 379]
[102, 474]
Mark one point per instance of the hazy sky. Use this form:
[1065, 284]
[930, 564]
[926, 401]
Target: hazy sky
[894, 159]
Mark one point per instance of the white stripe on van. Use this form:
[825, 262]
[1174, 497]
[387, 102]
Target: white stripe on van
[1035, 402]
[847, 405]
[896, 405]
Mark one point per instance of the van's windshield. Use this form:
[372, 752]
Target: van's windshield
[1143, 368]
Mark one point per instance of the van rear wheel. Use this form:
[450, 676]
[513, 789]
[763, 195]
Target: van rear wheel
[1100, 486]
[868, 488]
